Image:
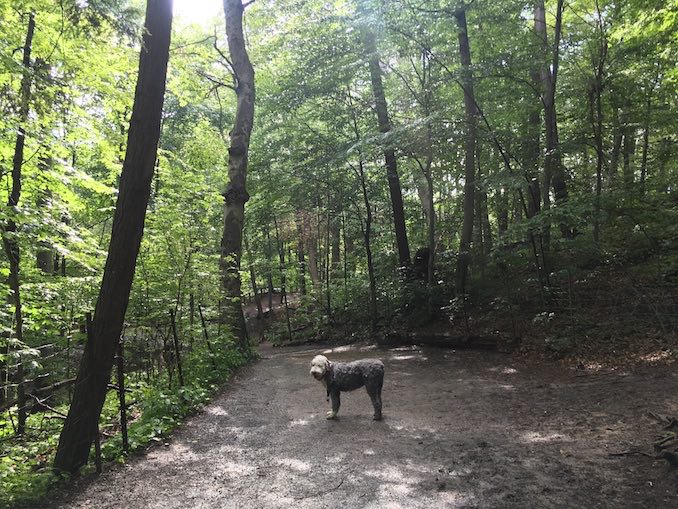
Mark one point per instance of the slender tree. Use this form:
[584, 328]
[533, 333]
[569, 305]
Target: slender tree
[94, 373]
[471, 114]
[236, 194]
[9, 228]
[554, 171]
[384, 122]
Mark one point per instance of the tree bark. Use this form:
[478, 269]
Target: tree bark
[253, 278]
[531, 156]
[616, 144]
[501, 197]
[384, 122]
[470, 114]
[269, 275]
[236, 194]
[628, 149]
[128, 226]
[366, 226]
[646, 143]
[311, 249]
[300, 252]
[554, 172]
[336, 244]
[9, 228]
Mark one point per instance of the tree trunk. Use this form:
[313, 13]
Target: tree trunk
[128, 226]
[311, 249]
[663, 158]
[336, 244]
[554, 172]
[485, 222]
[646, 144]
[9, 228]
[389, 155]
[253, 278]
[628, 149]
[596, 108]
[270, 271]
[283, 289]
[597, 124]
[616, 144]
[501, 197]
[300, 252]
[366, 227]
[367, 235]
[531, 157]
[470, 114]
[236, 195]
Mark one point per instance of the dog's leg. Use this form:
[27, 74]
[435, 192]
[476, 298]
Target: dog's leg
[336, 402]
[374, 392]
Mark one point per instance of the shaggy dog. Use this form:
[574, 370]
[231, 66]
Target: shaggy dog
[349, 376]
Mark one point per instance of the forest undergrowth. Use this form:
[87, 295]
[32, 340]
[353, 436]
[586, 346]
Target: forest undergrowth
[156, 406]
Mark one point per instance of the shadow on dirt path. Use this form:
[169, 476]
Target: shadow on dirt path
[461, 429]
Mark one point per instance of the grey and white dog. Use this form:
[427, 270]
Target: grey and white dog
[349, 376]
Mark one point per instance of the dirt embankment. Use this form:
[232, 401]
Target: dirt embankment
[461, 429]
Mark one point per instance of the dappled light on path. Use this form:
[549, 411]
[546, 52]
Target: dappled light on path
[461, 429]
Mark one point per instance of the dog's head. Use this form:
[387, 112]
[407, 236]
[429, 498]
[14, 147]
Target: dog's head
[320, 365]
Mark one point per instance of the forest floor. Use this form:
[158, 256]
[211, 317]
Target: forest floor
[461, 429]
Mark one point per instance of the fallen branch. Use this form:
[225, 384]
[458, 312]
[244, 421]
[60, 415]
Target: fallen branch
[320, 493]
[629, 453]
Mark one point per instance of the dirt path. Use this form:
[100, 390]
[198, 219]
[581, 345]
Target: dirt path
[461, 429]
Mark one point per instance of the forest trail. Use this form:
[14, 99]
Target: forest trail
[461, 429]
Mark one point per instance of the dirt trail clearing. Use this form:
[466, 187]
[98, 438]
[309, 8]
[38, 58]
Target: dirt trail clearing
[461, 429]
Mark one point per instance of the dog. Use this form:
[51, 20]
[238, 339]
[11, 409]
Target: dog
[338, 377]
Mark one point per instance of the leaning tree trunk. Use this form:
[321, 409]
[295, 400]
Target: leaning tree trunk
[9, 228]
[236, 195]
[389, 155]
[471, 112]
[94, 374]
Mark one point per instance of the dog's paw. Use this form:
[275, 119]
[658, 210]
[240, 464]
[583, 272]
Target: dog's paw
[377, 417]
[331, 415]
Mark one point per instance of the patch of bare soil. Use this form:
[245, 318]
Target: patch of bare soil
[461, 429]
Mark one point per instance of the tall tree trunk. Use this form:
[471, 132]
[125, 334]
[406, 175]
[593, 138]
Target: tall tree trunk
[94, 374]
[236, 194]
[597, 124]
[311, 249]
[554, 172]
[389, 155]
[470, 114]
[501, 197]
[328, 248]
[283, 278]
[366, 227]
[300, 252]
[663, 157]
[531, 150]
[9, 228]
[628, 149]
[253, 278]
[367, 236]
[646, 144]
[616, 143]
[269, 275]
[44, 256]
[336, 243]
[596, 105]
[485, 221]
